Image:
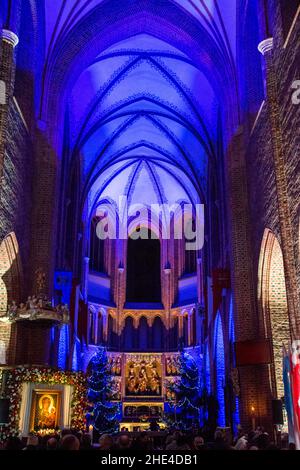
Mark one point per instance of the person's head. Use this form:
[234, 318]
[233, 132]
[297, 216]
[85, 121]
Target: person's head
[219, 436]
[124, 441]
[32, 440]
[143, 438]
[52, 444]
[86, 440]
[176, 434]
[106, 442]
[70, 442]
[183, 440]
[292, 446]
[13, 443]
[241, 444]
[262, 441]
[198, 442]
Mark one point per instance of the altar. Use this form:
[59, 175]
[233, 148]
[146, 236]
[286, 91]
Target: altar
[141, 384]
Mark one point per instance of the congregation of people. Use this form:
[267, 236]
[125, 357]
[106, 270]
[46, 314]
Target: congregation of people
[174, 441]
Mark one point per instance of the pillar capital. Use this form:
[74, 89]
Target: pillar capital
[10, 37]
[266, 45]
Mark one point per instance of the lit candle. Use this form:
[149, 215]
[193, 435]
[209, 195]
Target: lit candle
[253, 417]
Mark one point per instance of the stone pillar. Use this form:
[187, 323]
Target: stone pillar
[200, 281]
[121, 289]
[45, 209]
[286, 234]
[254, 379]
[86, 261]
[167, 283]
[7, 70]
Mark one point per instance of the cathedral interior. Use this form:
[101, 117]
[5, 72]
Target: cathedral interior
[162, 104]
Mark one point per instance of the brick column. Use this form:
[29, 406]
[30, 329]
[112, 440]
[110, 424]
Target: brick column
[33, 342]
[287, 246]
[254, 379]
[7, 69]
[45, 210]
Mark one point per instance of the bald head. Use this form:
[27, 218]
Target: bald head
[52, 443]
[70, 442]
[124, 441]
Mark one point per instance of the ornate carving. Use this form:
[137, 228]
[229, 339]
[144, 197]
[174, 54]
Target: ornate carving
[37, 307]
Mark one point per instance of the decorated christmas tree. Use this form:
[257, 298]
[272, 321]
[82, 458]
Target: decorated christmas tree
[187, 398]
[104, 413]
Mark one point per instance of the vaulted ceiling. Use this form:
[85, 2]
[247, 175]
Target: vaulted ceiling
[140, 87]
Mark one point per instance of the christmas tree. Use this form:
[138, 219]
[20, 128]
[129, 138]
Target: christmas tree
[105, 413]
[185, 408]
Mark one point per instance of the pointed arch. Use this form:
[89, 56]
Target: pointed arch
[10, 272]
[157, 334]
[129, 335]
[143, 334]
[273, 303]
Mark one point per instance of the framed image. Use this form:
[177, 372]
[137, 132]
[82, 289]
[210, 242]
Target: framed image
[143, 375]
[45, 409]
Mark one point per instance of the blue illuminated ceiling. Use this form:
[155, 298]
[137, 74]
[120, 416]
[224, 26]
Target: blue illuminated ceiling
[139, 104]
[142, 85]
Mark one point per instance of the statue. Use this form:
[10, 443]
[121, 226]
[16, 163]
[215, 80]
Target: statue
[22, 308]
[40, 280]
[12, 310]
[65, 313]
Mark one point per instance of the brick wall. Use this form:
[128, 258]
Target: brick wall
[16, 191]
[263, 202]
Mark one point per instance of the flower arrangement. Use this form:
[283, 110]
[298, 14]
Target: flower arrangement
[43, 375]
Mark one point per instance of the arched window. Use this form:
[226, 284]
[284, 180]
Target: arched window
[92, 327]
[129, 334]
[220, 368]
[190, 256]
[99, 338]
[185, 330]
[157, 334]
[97, 263]
[112, 336]
[10, 272]
[143, 270]
[173, 332]
[193, 328]
[143, 334]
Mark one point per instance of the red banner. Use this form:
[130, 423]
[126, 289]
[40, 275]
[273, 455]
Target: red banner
[220, 281]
